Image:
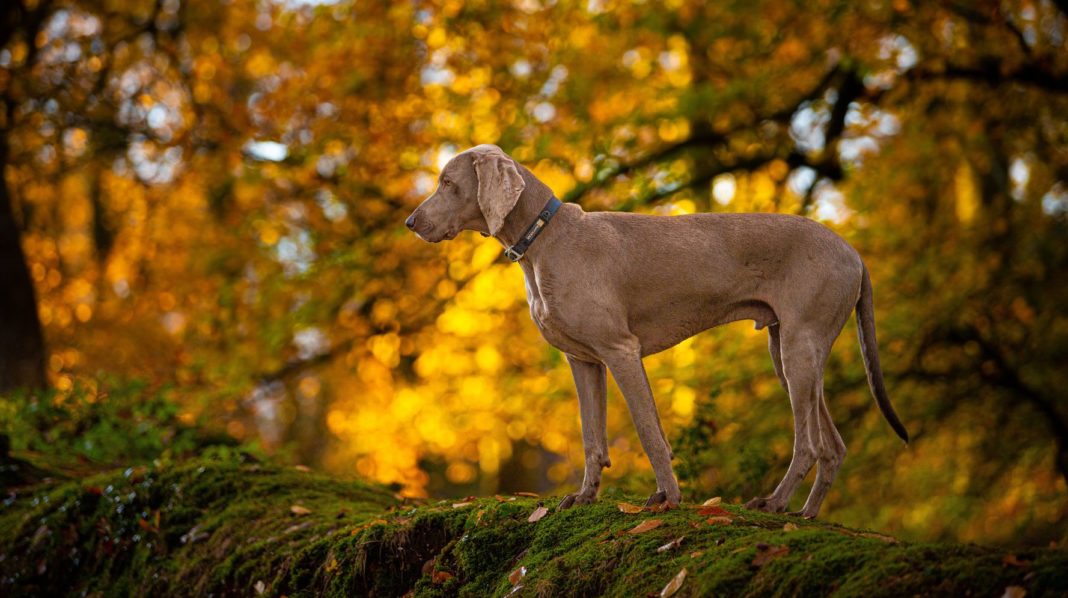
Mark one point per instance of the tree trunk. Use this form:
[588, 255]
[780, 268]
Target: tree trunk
[22, 349]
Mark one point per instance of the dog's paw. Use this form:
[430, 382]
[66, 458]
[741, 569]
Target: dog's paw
[764, 504]
[661, 498]
[578, 498]
[802, 514]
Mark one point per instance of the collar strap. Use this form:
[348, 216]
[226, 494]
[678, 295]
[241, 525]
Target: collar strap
[516, 252]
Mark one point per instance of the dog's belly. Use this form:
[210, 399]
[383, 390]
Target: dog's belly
[655, 335]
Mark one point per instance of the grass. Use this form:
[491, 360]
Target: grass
[228, 525]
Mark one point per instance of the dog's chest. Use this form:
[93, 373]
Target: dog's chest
[546, 316]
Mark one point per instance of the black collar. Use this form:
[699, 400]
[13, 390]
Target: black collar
[516, 252]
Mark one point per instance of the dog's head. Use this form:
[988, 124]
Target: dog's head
[477, 190]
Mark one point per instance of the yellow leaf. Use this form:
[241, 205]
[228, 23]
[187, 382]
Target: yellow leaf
[629, 508]
[789, 527]
[645, 526]
[674, 585]
[538, 514]
[712, 502]
[299, 510]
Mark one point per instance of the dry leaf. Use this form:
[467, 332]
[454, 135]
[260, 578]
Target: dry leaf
[713, 510]
[332, 565]
[712, 502]
[659, 507]
[629, 508]
[1012, 561]
[719, 521]
[527, 494]
[674, 585]
[789, 527]
[299, 510]
[517, 575]
[460, 505]
[440, 577]
[670, 545]
[260, 587]
[538, 514]
[1014, 592]
[696, 554]
[303, 468]
[645, 526]
[766, 553]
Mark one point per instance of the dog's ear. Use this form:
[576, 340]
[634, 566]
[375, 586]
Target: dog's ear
[499, 187]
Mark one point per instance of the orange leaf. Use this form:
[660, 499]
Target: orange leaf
[299, 510]
[1012, 561]
[713, 510]
[719, 521]
[517, 575]
[629, 508]
[538, 514]
[527, 494]
[645, 526]
[674, 585]
[696, 554]
[440, 577]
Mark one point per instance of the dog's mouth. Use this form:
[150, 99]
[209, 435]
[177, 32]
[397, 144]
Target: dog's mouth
[429, 236]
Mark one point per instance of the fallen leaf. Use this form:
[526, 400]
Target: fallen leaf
[713, 510]
[719, 521]
[538, 514]
[517, 575]
[712, 502]
[299, 510]
[94, 490]
[332, 565]
[884, 538]
[768, 553]
[1014, 592]
[460, 505]
[696, 554]
[527, 494]
[440, 577]
[303, 468]
[645, 526]
[260, 587]
[625, 507]
[789, 527]
[672, 545]
[1012, 561]
[674, 585]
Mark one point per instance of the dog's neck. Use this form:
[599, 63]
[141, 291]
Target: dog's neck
[531, 202]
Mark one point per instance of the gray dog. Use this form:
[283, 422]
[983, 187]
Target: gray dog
[607, 289]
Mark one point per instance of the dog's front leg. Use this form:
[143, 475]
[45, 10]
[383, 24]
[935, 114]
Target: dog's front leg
[590, 380]
[627, 368]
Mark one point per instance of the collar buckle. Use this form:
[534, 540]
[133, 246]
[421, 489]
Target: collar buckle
[512, 254]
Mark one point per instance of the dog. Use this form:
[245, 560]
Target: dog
[609, 288]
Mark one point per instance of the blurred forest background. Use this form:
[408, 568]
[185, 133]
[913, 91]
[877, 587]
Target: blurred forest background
[201, 228]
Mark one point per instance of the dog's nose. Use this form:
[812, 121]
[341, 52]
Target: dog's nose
[410, 222]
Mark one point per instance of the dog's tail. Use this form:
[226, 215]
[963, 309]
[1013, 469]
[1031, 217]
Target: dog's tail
[869, 349]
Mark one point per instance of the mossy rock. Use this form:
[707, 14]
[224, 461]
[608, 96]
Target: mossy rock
[226, 527]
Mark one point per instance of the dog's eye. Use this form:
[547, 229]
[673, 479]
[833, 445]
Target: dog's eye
[444, 183]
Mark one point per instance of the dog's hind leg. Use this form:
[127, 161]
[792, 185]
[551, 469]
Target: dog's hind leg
[591, 383]
[831, 452]
[775, 348]
[803, 355]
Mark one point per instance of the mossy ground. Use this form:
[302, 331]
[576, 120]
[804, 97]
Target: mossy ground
[227, 526]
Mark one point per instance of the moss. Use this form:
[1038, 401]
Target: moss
[225, 526]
